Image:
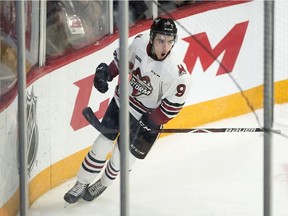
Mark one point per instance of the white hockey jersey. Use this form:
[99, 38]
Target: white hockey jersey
[162, 85]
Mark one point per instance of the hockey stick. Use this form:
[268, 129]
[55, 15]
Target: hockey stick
[94, 121]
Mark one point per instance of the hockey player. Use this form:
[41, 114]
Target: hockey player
[159, 86]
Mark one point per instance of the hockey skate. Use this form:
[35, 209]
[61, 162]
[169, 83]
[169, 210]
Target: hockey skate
[94, 191]
[76, 192]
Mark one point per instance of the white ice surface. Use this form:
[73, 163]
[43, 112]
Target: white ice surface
[209, 174]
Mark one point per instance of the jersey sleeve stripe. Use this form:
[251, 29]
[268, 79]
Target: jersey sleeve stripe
[169, 114]
[166, 106]
[139, 105]
[170, 109]
[136, 105]
[173, 104]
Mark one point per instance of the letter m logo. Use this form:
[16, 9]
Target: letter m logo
[200, 47]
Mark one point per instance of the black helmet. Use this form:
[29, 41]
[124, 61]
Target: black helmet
[165, 26]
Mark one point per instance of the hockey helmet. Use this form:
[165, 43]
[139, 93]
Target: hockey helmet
[165, 26]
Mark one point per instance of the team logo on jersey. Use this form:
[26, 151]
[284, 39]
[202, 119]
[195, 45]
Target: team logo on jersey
[181, 69]
[141, 85]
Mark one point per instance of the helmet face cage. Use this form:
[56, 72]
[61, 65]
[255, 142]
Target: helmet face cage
[165, 26]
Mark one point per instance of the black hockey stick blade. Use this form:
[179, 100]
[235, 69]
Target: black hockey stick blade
[94, 121]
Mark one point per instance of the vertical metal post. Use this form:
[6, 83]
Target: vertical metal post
[124, 104]
[22, 127]
[110, 18]
[268, 104]
[154, 9]
[42, 33]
